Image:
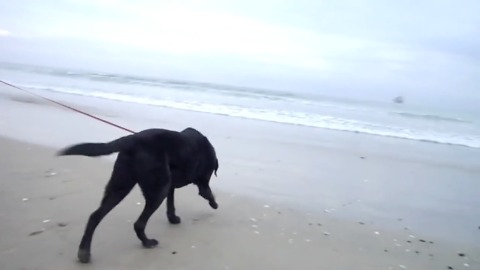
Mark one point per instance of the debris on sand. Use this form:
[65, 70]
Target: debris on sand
[266, 206]
[46, 220]
[361, 223]
[461, 254]
[35, 232]
[62, 224]
[174, 252]
[253, 219]
[326, 233]
[50, 173]
[24, 199]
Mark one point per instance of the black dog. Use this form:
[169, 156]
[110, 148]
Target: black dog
[159, 161]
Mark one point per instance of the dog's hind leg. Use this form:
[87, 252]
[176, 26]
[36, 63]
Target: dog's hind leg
[179, 179]
[172, 217]
[120, 184]
[153, 199]
[155, 182]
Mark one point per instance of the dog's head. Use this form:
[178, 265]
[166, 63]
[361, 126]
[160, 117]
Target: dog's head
[207, 164]
[210, 168]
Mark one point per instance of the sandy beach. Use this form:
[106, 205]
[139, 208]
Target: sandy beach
[288, 196]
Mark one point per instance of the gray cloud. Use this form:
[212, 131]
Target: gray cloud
[353, 48]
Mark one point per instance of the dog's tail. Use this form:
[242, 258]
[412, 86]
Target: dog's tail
[98, 149]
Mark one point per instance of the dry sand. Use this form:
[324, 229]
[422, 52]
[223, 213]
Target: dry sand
[385, 200]
[45, 202]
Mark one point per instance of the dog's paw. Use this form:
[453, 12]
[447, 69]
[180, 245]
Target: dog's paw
[150, 243]
[213, 204]
[174, 219]
[83, 256]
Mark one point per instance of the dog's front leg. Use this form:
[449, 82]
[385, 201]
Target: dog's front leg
[205, 192]
[172, 217]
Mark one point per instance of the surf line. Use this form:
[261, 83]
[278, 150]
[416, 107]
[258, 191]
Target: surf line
[69, 107]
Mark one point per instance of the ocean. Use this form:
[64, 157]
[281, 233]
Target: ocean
[402, 121]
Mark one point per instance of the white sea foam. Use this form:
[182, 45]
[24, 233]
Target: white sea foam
[283, 116]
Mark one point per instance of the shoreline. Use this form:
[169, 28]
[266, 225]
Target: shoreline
[359, 176]
[145, 116]
[328, 126]
[46, 202]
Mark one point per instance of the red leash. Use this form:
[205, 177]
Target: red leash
[68, 107]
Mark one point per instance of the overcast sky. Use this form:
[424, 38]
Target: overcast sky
[427, 48]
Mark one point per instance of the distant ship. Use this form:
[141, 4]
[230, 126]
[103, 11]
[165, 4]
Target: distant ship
[398, 99]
